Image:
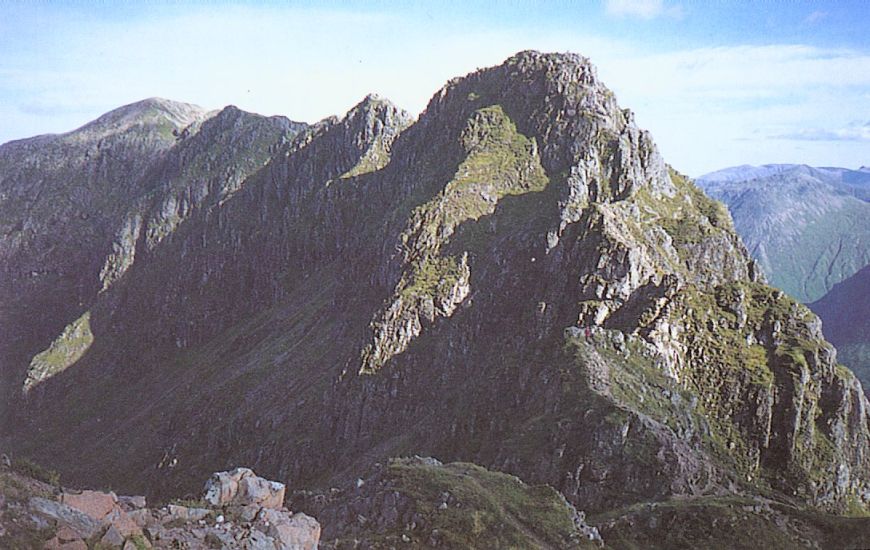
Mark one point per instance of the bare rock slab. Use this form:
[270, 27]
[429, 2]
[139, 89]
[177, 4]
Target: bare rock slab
[242, 486]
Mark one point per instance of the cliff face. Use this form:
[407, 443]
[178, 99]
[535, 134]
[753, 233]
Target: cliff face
[515, 279]
[75, 206]
[61, 198]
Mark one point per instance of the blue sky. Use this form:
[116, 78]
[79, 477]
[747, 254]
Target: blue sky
[717, 83]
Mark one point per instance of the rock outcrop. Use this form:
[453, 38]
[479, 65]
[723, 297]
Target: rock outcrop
[86, 519]
[243, 488]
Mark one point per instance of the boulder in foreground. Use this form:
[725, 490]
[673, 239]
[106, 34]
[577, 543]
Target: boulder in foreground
[240, 511]
[242, 487]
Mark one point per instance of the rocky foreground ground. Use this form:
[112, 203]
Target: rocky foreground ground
[238, 510]
[405, 503]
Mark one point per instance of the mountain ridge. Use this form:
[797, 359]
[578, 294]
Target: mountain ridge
[516, 278]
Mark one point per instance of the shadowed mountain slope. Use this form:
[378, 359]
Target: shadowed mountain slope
[845, 314]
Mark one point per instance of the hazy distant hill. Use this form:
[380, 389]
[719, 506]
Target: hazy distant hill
[809, 228]
[845, 314]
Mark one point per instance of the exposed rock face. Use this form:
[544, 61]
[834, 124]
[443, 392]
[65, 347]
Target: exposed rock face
[296, 532]
[242, 487]
[78, 525]
[59, 194]
[95, 504]
[372, 287]
[74, 206]
[87, 516]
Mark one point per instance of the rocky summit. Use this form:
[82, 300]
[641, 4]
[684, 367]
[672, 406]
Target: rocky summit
[515, 284]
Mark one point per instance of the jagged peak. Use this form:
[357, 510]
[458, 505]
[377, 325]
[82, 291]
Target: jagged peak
[371, 126]
[540, 91]
[566, 66]
[557, 99]
[566, 63]
[232, 114]
[373, 105]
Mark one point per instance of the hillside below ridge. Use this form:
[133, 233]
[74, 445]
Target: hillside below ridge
[845, 315]
[515, 279]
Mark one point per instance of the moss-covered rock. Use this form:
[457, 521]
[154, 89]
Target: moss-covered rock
[421, 503]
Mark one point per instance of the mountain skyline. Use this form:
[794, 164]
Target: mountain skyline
[427, 275]
[788, 83]
[515, 279]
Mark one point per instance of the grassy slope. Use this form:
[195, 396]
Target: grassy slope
[465, 506]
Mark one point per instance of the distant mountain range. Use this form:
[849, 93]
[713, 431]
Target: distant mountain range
[809, 228]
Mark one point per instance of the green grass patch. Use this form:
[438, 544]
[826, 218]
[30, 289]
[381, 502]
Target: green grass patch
[431, 275]
[485, 509]
[64, 351]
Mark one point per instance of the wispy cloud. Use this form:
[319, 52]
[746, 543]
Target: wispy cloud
[644, 9]
[852, 132]
[815, 17]
[741, 71]
[714, 107]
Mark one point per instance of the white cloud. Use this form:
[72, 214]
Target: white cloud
[644, 9]
[852, 132]
[815, 17]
